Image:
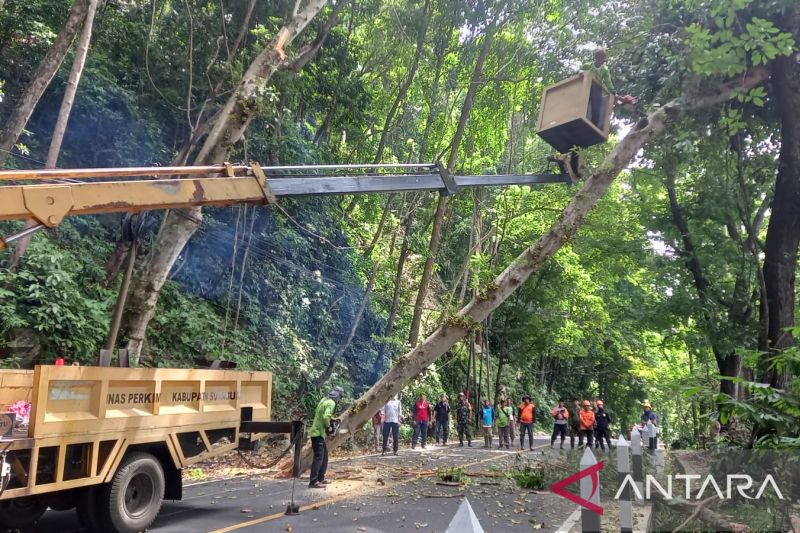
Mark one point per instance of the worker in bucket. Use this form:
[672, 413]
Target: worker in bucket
[598, 100]
[323, 416]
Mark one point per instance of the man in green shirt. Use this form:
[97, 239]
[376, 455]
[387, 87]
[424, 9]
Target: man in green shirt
[504, 423]
[319, 429]
[598, 99]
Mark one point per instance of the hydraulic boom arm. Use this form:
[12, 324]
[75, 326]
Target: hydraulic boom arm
[47, 196]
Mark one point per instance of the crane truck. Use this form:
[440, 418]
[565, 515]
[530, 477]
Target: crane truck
[111, 442]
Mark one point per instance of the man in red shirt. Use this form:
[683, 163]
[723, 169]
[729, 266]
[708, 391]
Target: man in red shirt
[422, 417]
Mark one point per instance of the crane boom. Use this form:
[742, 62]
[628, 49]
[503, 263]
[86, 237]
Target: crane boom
[47, 196]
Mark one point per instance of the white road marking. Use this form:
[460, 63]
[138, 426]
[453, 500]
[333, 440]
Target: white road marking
[571, 520]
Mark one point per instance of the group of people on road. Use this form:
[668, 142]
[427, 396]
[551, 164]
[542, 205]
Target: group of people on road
[386, 422]
[586, 420]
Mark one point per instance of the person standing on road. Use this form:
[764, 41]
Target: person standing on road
[527, 418]
[574, 422]
[603, 423]
[392, 416]
[377, 429]
[504, 423]
[586, 424]
[442, 414]
[560, 419]
[487, 421]
[512, 421]
[319, 429]
[463, 415]
[422, 417]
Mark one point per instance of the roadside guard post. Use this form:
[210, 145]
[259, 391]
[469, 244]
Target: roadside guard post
[623, 469]
[636, 456]
[590, 520]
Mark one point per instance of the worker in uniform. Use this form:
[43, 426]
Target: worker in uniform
[319, 430]
[574, 422]
[603, 421]
[463, 414]
[587, 421]
[527, 418]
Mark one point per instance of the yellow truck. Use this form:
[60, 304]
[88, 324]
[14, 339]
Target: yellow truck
[111, 442]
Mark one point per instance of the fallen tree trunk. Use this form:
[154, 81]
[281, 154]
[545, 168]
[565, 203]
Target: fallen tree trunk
[529, 261]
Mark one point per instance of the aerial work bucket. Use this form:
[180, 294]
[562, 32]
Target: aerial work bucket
[575, 112]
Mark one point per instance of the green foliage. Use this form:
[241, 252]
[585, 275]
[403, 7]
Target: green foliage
[454, 474]
[528, 474]
[48, 294]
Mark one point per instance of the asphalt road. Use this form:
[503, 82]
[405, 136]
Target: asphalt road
[357, 502]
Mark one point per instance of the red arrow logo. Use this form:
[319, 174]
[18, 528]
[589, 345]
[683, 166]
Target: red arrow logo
[593, 471]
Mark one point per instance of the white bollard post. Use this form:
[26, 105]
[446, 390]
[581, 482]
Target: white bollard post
[636, 457]
[590, 521]
[623, 469]
[651, 435]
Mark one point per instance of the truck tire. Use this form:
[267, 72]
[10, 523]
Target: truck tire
[132, 500]
[21, 512]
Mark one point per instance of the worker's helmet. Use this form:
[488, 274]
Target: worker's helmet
[586, 403]
[646, 404]
[599, 403]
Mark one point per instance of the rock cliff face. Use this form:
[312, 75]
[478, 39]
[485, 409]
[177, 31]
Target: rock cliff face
[22, 346]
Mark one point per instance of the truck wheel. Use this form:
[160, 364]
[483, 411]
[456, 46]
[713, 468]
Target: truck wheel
[21, 512]
[133, 499]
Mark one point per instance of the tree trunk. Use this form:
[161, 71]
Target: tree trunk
[122, 295]
[529, 261]
[441, 205]
[401, 94]
[63, 117]
[24, 107]
[74, 79]
[179, 226]
[307, 52]
[783, 232]
[727, 362]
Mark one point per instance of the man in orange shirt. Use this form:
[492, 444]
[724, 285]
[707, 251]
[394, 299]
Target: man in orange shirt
[586, 428]
[527, 418]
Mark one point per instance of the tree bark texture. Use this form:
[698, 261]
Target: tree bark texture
[783, 232]
[178, 225]
[24, 106]
[81, 51]
[529, 261]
